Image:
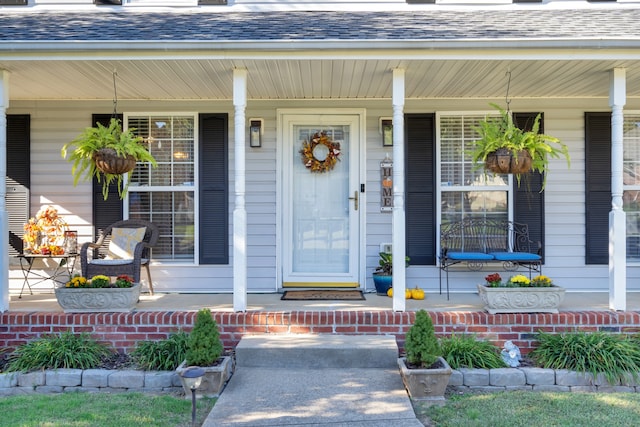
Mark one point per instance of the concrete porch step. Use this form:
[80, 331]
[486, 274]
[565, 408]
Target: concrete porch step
[317, 351]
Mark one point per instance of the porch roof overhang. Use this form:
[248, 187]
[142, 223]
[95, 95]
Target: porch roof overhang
[190, 55]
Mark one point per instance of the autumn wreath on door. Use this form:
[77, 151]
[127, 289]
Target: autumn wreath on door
[320, 154]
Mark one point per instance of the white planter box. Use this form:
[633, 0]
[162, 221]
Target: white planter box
[521, 300]
[91, 300]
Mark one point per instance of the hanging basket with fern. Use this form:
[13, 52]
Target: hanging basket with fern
[502, 147]
[106, 153]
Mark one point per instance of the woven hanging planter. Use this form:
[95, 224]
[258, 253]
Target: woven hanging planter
[108, 161]
[504, 161]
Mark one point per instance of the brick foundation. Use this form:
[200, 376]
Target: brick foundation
[124, 330]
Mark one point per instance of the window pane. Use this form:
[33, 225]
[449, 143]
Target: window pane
[631, 184]
[159, 194]
[466, 191]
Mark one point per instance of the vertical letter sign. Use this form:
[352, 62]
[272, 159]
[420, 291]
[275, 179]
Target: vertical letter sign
[386, 185]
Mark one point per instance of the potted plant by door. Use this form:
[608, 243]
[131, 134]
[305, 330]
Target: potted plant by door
[505, 148]
[383, 274]
[520, 294]
[204, 349]
[106, 152]
[424, 371]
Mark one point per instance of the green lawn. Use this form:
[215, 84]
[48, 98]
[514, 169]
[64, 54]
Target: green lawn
[100, 409]
[514, 409]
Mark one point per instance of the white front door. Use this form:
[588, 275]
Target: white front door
[321, 200]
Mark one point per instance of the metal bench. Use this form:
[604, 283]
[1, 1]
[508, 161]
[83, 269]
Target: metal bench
[479, 241]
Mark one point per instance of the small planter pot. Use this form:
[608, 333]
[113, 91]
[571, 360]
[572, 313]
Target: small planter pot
[213, 381]
[426, 385]
[521, 300]
[383, 283]
[92, 300]
[504, 161]
[108, 161]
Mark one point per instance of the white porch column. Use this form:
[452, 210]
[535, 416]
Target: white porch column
[239, 211]
[617, 217]
[398, 227]
[4, 216]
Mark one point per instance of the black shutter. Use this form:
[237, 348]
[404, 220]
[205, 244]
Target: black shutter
[18, 179]
[214, 189]
[528, 199]
[598, 186]
[105, 212]
[420, 181]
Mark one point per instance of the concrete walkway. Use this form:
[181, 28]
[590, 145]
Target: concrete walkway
[315, 381]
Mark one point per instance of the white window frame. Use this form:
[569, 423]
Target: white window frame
[439, 187]
[195, 187]
[630, 187]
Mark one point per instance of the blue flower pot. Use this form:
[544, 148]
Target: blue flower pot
[383, 283]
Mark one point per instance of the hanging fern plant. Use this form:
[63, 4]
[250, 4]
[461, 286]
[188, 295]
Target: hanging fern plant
[106, 153]
[505, 148]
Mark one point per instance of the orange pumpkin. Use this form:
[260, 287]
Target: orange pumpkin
[407, 294]
[390, 292]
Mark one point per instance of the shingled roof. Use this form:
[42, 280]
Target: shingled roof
[191, 25]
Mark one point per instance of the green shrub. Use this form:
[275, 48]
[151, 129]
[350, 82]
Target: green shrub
[615, 356]
[66, 350]
[466, 351]
[204, 346]
[421, 344]
[163, 355]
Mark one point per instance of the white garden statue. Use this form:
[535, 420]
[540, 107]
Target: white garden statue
[511, 354]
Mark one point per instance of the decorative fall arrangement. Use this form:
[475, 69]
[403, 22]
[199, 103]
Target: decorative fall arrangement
[44, 234]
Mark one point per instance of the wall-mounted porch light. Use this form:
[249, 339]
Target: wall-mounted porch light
[386, 130]
[255, 132]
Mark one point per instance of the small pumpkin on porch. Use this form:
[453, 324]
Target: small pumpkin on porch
[505, 148]
[106, 152]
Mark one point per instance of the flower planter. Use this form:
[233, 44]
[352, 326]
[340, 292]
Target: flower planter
[213, 381]
[504, 161]
[521, 300]
[426, 385]
[382, 283]
[91, 300]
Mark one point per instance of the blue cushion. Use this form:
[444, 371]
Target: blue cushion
[469, 256]
[515, 256]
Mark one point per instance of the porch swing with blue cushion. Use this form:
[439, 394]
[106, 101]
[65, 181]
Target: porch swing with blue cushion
[478, 241]
[122, 248]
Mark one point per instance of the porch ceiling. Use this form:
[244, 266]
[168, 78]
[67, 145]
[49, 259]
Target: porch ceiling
[195, 79]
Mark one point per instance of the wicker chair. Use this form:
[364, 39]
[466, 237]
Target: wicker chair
[101, 260]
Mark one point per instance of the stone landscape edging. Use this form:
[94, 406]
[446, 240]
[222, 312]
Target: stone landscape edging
[91, 380]
[461, 380]
[534, 379]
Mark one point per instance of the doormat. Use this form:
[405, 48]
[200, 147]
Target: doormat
[322, 294]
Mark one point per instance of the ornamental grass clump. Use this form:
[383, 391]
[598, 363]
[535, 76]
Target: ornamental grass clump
[421, 344]
[204, 346]
[162, 355]
[66, 350]
[615, 356]
[465, 351]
